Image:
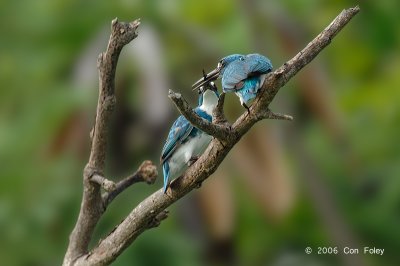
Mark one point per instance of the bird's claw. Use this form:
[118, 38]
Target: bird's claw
[247, 108]
[192, 160]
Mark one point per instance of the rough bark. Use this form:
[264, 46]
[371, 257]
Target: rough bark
[92, 206]
[152, 210]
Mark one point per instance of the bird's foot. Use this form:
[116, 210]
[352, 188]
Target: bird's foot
[247, 108]
[198, 185]
[192, 160]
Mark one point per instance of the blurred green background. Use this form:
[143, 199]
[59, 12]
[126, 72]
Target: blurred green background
[329, 178]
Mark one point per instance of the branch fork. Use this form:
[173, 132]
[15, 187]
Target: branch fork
[147, 172]
[219, 131]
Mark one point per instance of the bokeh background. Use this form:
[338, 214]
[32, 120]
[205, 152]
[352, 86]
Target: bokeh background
[329, 178]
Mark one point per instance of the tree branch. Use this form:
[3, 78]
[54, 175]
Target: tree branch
[219, 131]
[106, 184]
[91, 206]
[147, 172]
[218, 113]
[152, 210]
[271, 115]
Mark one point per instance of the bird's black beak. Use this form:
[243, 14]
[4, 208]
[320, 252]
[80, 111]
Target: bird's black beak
[213, 75]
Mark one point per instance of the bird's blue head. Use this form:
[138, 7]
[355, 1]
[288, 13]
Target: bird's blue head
[216, 73]
[224, 62]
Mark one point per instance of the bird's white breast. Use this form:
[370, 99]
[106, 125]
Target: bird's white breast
[210, 101]
[194, 147]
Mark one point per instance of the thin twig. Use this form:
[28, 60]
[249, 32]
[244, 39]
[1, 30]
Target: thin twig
[147, 172]
[278, 116]
[219, 131]
[107, 185]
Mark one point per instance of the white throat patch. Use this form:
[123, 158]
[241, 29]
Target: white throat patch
[210, 101]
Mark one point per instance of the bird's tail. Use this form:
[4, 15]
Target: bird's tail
[166, 175]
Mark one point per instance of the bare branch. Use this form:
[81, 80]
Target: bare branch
[121, 34]
[147, 172]
[158, 219]
[219, 131]
[280, 116]
[147, 212]
[218, 113]
[107, 185]
[91, 207]
[271, 115]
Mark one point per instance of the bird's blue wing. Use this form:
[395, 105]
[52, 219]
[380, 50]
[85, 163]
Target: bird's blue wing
[177, 134]
[233, 74]
[239, 70]
[257, 64]
[202, 114]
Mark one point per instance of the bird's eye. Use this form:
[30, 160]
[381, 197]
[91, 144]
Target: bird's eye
[241, 58]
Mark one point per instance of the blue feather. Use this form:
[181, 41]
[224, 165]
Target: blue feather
[177, 134]
[185, 142]
[166, 175]
[203, 114]
[249, 89]
[241, 74]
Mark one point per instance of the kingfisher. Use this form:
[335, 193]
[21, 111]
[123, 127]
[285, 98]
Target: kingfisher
[241, 74]
[185, 143]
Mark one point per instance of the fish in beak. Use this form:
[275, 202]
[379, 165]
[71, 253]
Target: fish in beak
[208, 86]
[213, 75]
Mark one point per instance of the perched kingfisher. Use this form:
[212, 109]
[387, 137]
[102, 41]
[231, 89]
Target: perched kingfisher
[241, 74]
[185, 143]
